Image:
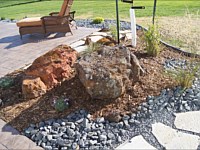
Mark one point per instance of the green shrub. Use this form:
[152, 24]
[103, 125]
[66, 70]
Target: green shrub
[98, 20]
[152, 41]
[6, 82]
[91, 48]
[113, 31]
[61, 104]
[12, 19]
[3, 18]
[184, 77]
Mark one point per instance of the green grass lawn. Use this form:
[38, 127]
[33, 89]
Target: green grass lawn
[7, 3]
[98, 8]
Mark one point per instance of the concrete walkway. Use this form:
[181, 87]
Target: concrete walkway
[16, 53]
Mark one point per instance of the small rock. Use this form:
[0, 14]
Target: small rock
[70, 132]
[137, 122]
[119, 139]
[85, 123]
[56, 124]
[126, 117]
[81, 143]
[102, 137]
[101, 120]
[131, 121]
[111, 136]
[63, 123]
[92, 142]
[64, 148]
[73, 126]
[74, 145]
[49, 137]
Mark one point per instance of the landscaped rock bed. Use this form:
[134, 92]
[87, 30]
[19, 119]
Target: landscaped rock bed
[103, 124]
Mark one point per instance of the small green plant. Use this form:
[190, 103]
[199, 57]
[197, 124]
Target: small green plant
[6, 82]
[113, 31]
[3, 18]
[152, 41]
[12, 19]
[98, 20]
[91, 48]
[61, 104]
[184, 77]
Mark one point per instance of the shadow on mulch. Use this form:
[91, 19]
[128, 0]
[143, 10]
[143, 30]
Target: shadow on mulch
[36, 110]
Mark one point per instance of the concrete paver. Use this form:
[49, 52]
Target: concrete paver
[188, 121]
[10, 138]
[173, 139]
[137, 142]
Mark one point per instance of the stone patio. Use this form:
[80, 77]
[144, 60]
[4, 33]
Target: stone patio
[16, 53]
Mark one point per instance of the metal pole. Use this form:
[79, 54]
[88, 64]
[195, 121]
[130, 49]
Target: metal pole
[154, 10]
[117, 16]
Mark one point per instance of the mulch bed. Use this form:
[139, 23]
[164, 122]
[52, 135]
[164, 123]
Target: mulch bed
[20, 112]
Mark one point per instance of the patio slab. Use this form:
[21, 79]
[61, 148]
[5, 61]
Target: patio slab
[16, 53]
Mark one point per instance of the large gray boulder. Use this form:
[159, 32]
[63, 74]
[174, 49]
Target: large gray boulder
[106, 72]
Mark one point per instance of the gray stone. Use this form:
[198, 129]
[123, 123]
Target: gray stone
[86, 123]
[70, 132]
[120, 125]
[41, 124]
[102, 137]
[55, 136]
[80, 120]
[94, 137]
[39, 136]
[74, 145]
[122, 132]
[111, 136]
[49, 137]
[101, 120]
[63, 123]
[28, 131]
[137, 122]
[81, 143]
[126, 117]
[119, 139]
[131, 121]
[61, 142]
[106, 81]
[43, 145]
[56, 124]
[64, 148]
[73, 126]
[92, 142]
[48, 148]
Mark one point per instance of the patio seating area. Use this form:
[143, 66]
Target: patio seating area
[16, 53]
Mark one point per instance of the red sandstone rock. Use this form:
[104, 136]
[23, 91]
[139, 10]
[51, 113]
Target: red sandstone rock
[54, 66]
[33, 87]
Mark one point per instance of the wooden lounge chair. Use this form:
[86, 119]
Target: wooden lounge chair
[55, 22]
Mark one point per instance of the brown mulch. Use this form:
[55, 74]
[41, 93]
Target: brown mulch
[20, 112]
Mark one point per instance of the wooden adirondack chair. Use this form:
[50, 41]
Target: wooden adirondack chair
[55, 22]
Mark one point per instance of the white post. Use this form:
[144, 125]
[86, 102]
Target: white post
[133, 27]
